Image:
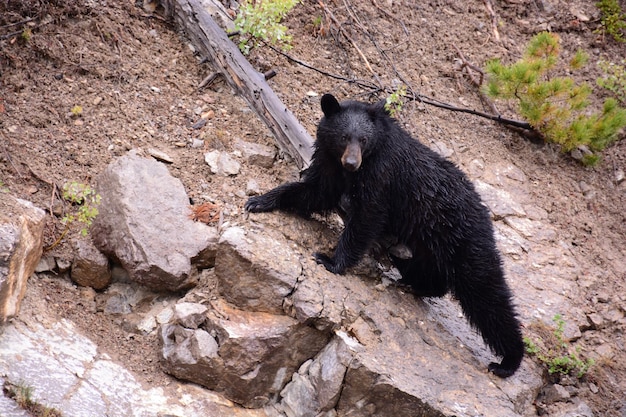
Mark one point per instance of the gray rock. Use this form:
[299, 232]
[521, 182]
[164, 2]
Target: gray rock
[144, 224]
[398, 346]
[222, 163]
[120, 298]
[90, 267]
[21, 246]
[577, 408]
[67, 371]
[250, 358]
[47, 263]
[500, 202]
[64, 265]
[160, 156]
[252, 187]
[190, 315]
[256, 154]
[316, 386]
[555, 393]
[256, 270]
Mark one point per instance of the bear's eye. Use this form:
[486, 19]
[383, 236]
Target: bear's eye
[362, 140]
[344, 138]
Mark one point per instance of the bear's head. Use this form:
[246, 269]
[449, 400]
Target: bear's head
[348, 130]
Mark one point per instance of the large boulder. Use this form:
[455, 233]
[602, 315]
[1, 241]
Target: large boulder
[248, 357]
[256, 270]
[21, 246]
[144, 225]
[392, 354]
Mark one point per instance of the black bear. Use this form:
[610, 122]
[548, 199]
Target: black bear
[389, 187]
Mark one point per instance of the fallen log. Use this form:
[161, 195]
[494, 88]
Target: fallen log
[213, 43]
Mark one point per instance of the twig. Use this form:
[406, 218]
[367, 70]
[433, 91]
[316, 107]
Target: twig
[10, 35]
[208, 80]
[59, 239]
[385, 12]
[8, 156]
[360, 83]
[494, 19]
[466, 64]
[332, 17]
[8, 25]
[380, 51]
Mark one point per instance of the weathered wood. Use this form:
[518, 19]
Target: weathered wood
[208, 38]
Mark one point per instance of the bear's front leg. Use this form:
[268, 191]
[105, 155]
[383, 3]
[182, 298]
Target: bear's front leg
[359, 233]
[329, 263]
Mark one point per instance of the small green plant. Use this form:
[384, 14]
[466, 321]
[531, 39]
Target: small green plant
[393, 103]
[87, 201]
[27, 33]
[317, 21]
[614, 79]
[555, 106]
[260, 21]
[76, 111]
[613, 20]
[22, 395]
[559, 357]
[3, 188]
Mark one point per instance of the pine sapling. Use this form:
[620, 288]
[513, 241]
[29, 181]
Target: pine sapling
[555, 106]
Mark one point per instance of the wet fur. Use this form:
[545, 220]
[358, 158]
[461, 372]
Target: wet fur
[398, 187]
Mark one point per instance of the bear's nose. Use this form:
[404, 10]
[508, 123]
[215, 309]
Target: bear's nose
[351, 164]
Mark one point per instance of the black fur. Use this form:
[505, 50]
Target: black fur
[398, 187]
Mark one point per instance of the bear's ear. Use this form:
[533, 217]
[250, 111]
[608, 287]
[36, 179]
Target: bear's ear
[330, 105]
[379, 108]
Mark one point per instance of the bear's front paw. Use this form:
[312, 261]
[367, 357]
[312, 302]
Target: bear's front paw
[328, 263]
[258, 204]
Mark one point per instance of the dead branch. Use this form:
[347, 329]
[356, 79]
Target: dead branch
[495, 118]
[213, 43]
[210, 79]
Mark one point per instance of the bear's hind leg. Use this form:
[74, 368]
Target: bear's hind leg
[423, 282]
[486, 301]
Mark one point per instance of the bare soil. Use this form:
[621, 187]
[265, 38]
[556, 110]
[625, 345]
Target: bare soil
[136, 81]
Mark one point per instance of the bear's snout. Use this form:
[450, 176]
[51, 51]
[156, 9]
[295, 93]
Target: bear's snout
[351, 158]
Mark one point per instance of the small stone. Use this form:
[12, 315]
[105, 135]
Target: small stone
[443, 149]
[97, 101]
[555, 393]
[596, 321]
[90, 267]
[619, 176]
[197, 143]
[199, 124]
[190, 315]
[256, 154]
[160, 156]
[46, 264]
[222, 163]
[155, 89]
[147, 325]
[165, 315]
[64, 265]
[252, 188]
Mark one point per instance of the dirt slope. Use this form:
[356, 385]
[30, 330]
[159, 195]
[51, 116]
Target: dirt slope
[136, 82]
